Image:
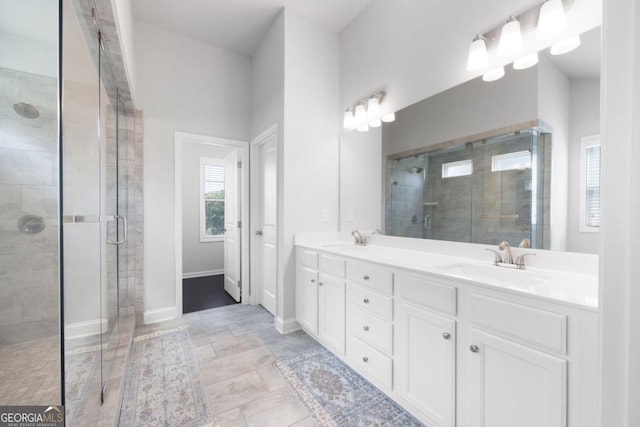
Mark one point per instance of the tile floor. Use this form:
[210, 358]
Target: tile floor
[236, 346]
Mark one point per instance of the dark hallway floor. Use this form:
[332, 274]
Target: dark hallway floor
[202, 293]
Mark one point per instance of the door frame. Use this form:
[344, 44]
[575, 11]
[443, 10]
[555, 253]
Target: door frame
[267, 135]
[243, 154]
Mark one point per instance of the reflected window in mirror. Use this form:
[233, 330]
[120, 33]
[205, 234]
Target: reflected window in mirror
[590, 183]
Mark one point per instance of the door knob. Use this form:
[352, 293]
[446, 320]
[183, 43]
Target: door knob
[259, 233]
[474, 348]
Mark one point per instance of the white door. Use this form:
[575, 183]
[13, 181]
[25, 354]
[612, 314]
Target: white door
[232, 231]
[513, 385]
[267, 224]
[331, 307]
[425, 349]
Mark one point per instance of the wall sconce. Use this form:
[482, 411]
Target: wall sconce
[367, 113]
[549, 22]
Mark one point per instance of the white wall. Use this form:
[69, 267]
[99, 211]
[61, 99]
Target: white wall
[183, 85]
[310, 140]
[197, 256]
[584, 121]
[28, 55]
[620, 219]
[554, 109]
[123, 11]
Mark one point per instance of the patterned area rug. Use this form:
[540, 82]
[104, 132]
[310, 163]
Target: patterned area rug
[163, 383]
[80, 374]
[335, 395]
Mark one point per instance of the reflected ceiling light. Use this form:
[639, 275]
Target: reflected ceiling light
[493, 75]
[388, 118]
[566, 45]
[551, 21]
[367, 113]
[349, 122]
[510, 38]
[526, 61]
[478, 56]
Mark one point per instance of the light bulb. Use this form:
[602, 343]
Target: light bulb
[360, 116]
[348, 123]
[478, 56]
[552, 20]
[493, 75]
[364, 127]
[510, 38]
[373, 109]
[388, 118]
[526, 61]
[565, 46]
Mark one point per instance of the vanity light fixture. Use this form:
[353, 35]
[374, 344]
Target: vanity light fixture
[478, 56]
[493, 75]
[367, 113]
[526, 61]
[510, 38]
[565, 46]
[349, 122]
[551, 21]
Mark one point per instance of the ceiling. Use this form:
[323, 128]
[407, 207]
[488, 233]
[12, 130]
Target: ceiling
[240, 25]
[36, 19]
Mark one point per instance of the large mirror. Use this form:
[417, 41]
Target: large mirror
[545, 120]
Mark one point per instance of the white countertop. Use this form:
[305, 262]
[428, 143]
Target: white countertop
[556, 285]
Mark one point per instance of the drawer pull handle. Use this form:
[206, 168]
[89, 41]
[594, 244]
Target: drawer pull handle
[366, 328]
[366, 300]
[446, 335]
[365, 359]
[366, 277]
[313, 280]
[474, 348]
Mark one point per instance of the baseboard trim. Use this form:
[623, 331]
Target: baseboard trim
[159, 315]
[202, 273]
[85, 329]
[287, 326]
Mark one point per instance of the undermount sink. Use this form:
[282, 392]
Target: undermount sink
[492, 274]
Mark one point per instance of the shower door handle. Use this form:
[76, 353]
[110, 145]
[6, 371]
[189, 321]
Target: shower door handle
[124, 231]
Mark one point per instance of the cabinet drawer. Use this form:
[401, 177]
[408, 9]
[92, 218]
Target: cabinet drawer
[370, 360]
[370, 275]
[426, 292]
[332, 265]
[370, 329]
[368, 300]
[308, 258]
[528, 325]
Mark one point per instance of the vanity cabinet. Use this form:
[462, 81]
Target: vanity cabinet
[454, 353]
[425, 348]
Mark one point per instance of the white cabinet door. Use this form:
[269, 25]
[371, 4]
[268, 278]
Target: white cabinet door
[331, 316]
[513, 385]
[425, 350]
[307, 299]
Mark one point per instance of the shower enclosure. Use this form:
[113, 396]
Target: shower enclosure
[484, 191]
[66, 168]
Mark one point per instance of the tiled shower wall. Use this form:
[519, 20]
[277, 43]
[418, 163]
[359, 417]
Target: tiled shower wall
[29, 307]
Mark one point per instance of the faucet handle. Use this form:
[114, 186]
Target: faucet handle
[520, 260]
[497, 256]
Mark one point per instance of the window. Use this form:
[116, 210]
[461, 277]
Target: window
[211, 199]
[590, 183]
[517, 160]
[461, 168]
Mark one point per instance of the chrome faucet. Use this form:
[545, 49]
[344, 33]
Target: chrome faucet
[360, 241]
[507, 260]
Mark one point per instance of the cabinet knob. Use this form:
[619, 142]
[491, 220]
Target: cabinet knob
[366, 300]
[365, 359]
[366, 277]
[474, 348]
[366, 328]
[446, 335]
[313, 280]
[319, 283]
